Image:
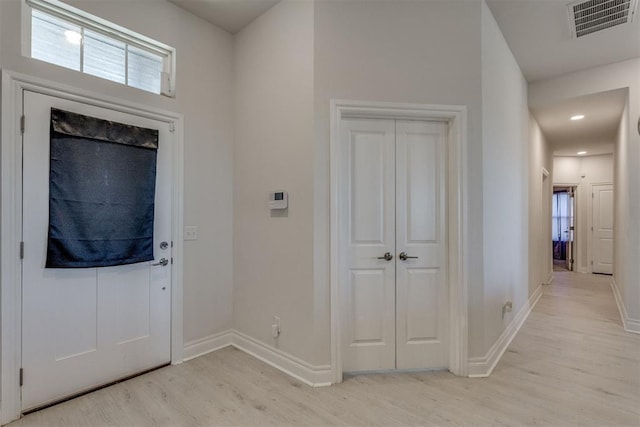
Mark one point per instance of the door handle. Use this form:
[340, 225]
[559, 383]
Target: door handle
[387, 256]
[163, 262]
[403, 256]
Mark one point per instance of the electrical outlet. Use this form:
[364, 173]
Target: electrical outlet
[275, 327]
[191, 233]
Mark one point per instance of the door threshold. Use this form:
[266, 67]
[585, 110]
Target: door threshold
[91, 390]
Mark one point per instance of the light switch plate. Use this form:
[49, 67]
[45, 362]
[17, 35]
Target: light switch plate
[191, 232]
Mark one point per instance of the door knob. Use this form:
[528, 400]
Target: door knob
[387, 256]
[163, 262]
[403, 256]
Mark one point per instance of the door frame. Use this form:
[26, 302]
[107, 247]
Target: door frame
[13, 85]
[545, 228]
[456, 166]
[577, 224]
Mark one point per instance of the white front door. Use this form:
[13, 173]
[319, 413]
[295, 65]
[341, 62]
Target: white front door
[85, 327]
[602, 228]
[393, 245]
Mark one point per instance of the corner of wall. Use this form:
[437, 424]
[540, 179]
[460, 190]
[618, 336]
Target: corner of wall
[312, 375]
[505, 158]
[480, 367]
[629, 324]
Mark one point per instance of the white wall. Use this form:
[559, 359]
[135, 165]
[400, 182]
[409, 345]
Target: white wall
[420, 52]
[627, 209]
[273, 254]
[583, 171]
[204, 95]
[624, 74]
[621, 258]
[540, 190]
[505, 179]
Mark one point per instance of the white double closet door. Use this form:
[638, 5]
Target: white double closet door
[84, 327]
[393, 244]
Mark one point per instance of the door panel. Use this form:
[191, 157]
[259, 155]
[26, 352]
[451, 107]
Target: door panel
[86, 327]
[420, 168]
[368, 187]
[421, 285]
[368, 297]
[602, 228]
[132, 292]
[369, 209]
[75, 325]
[423, 289]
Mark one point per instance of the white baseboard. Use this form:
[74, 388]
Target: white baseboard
[480, 367]
[315, 376]
[205, 345]
[549, 278]
[629, 325]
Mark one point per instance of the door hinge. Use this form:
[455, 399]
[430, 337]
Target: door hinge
[21, 375]
[171, 260]
[591, 262]
[21, 250]
[172, 127]
[22, 121]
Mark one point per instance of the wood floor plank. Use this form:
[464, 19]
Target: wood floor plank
[571, 364]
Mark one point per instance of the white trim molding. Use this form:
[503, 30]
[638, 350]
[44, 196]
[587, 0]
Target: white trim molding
[549, 278]
[314, 376]
[202, 346]
[13, 86]
[456, 118]
[629, 324]
[480, 367]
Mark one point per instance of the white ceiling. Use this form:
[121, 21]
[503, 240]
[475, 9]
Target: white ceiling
[538, 33]
[595, 133]
[230, 15]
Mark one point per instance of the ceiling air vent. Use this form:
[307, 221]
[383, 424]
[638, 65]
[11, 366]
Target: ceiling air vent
[590, 16]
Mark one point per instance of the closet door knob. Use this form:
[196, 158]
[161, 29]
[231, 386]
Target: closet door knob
[387, 256]
[403, 256]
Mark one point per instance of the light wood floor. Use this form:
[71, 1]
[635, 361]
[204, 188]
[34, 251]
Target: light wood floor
[571, 364]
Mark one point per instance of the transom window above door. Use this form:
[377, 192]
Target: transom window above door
[62, 35]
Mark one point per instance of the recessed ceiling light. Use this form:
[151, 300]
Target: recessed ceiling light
[577, 117]
[581, 153]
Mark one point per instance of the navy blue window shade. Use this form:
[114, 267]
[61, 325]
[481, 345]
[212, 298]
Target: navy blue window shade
[102, 183]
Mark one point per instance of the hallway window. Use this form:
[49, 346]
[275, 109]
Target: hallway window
[71, 38]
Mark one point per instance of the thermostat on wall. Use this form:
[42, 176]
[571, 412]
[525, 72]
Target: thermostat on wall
[278, 200]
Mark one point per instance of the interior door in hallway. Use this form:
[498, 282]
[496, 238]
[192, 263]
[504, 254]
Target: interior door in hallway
[602, 233]
[83, 327]
[393, 245]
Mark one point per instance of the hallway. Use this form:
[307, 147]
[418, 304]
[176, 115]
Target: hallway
[570, 364]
